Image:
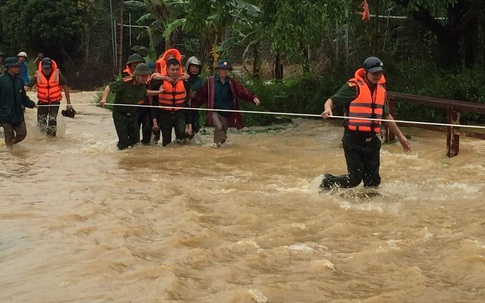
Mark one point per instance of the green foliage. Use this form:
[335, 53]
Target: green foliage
[306, 94]
[303, 94]
[425, 78]
[42, 24]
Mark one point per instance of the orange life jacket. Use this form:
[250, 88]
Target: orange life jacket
[128, 70]
[161, 64]
[366, 105]
[174, 95]
[48, 90]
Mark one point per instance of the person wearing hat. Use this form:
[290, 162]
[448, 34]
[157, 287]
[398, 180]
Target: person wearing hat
[193, 68]
[2, 68]
[223, 92]
[13, 99]
[363, 96]
[24, 69]
[131, 64]
[50, 83]
[129, 91]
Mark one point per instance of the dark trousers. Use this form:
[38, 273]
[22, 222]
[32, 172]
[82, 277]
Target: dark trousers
[47, 118]
[145, 121]
[195, 121]
[362, 155]
[14, 133]
[168, 120]
[127, 129]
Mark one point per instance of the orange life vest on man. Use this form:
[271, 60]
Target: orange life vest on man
[128, 71]
[161, 64]
[174, 95]
[366, 104]
[48, 89]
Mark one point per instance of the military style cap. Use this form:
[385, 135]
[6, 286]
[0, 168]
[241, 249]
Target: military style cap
[11, 62]
[224, 64]
[151, 65]
[134, 59]
[142, 69]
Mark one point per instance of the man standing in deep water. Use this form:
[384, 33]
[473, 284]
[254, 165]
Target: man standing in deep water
[12, 100]
[363, 96]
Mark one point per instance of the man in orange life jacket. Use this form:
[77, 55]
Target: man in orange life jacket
[363, 96]
[50, 83]
[174, 97]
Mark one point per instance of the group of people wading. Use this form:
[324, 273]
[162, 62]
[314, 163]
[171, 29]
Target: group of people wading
[166, 92]
[155, 98]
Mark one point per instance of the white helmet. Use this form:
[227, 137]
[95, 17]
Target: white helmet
[193, 61]
[22, 54]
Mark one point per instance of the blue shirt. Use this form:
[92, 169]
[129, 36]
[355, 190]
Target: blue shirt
[24, 72]
[223, 95]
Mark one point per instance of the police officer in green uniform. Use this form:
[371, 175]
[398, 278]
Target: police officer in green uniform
[362, 97]
[129, 91]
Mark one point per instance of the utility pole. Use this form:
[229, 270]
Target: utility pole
[376, 34]
[120, 44]
[113, 35]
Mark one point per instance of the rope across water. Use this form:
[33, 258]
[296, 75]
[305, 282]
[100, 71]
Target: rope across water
[284, 114]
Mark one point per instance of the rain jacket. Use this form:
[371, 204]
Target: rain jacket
[206, 95]
[12, 98]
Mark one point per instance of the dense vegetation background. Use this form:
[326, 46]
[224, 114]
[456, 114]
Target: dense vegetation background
[293, 55]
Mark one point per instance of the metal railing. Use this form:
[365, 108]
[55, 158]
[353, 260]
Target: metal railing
[453, 107]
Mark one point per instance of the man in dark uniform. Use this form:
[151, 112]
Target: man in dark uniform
[364, 100]
[129, 91]
[12, 100]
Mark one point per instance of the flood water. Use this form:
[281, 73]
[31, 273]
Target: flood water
[83, 222]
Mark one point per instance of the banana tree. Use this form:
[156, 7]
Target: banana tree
[297, 29]
[166, 17]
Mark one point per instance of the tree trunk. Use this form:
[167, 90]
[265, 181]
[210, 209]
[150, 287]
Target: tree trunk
[256, 63]
[306, 58]
[448, 50]
[278, 66]
[171, 40]
[471, 43]
[461, 27]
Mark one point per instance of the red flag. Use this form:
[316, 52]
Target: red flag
[365, 14]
